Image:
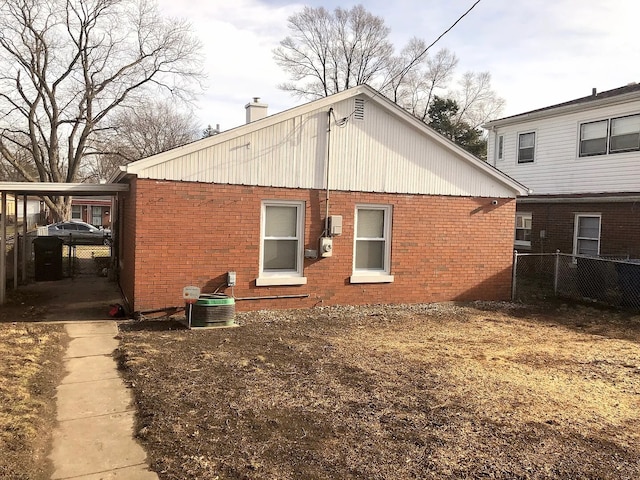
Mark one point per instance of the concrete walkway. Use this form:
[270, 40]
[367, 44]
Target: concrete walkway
[94, 437]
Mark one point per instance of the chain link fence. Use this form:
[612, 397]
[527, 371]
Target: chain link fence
[26, 261]
[612, 281]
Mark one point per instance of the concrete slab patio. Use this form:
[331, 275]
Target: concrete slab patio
[94, 438]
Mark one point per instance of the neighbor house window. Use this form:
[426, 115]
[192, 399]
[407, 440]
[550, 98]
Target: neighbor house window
[372, 246]
[526, 147]
[96, 216]
[523, 229]
[616, 135]
[587, 235]
[76, 212]
[282, 246]
[625, 134]
[500, 146]
[593, 138]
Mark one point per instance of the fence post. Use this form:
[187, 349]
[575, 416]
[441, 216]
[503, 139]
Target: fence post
[16, 242]
[555, 274]
[513, 275]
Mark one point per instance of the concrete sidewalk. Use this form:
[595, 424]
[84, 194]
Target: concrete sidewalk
[94, 436]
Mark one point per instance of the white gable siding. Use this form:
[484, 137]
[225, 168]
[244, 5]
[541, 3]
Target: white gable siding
[382, 153]
[557, 168]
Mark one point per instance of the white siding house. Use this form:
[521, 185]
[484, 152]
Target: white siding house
[581, 160]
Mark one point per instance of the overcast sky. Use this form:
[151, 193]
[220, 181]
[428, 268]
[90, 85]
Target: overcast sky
[539, 52]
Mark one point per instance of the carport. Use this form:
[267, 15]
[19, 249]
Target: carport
[24, 189]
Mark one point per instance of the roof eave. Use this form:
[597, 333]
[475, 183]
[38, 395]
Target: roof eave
[67, 189]
[562, 110]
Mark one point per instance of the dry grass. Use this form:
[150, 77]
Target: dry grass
[30, 366]
[433, 391]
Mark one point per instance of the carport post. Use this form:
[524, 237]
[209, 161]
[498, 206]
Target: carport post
[24, 239]
[16, 237]
[3, 250]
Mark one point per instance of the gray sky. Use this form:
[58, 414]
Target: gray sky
[539, 52]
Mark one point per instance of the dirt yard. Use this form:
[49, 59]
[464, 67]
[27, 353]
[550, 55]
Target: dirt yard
[30, 369]
[431, 391]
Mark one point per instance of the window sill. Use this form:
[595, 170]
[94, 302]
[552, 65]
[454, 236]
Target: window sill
[274, 281]
[371, 278]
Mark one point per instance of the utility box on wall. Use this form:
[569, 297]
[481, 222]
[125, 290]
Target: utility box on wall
[335, 225]
[326, 246]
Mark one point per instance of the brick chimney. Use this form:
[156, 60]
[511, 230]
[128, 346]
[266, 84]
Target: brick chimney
[256, 110]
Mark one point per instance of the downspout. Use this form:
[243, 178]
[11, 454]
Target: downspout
[326, 214]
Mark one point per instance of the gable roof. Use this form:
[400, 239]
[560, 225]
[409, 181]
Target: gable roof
[228, 150]
[608, 97]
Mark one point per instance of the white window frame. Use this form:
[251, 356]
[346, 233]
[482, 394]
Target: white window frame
[95, 217]
[611, 135]
[523, 215]
[520, 135]
[576, 229]
[283, 277]
[500, 147]
[365, 275]
[580, 139]
[79, 217]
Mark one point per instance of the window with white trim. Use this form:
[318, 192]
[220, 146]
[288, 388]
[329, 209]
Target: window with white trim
[586, 239]
[625, 134]
[615, 135]
[526, 147]
[593, 138]
[76, 212]
[372, 245]
[282, 243]
[523, 229]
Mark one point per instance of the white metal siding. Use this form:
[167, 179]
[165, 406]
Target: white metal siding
[382, 153]
[557, 168]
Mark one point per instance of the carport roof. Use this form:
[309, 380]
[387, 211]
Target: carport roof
[44, 189]
[49, 188]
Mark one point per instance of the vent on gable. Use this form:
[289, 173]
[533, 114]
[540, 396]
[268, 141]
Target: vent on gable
[358, 113]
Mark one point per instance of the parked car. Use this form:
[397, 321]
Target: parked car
[80, 233]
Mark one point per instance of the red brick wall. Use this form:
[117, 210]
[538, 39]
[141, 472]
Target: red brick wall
[178, 234]
[127, 233]
[619, 226]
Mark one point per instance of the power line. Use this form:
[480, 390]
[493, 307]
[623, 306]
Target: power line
[423, 53]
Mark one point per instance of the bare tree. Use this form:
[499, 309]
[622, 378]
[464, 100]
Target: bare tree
[137, 133]
[330, 52]
[415, 77]
[477, 101]
[66, 68]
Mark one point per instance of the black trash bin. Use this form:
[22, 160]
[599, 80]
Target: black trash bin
[629, 282]
[48, 253]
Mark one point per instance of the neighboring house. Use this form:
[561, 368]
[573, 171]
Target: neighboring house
[582, 161]
[93, 210]
[35, 211]
[10, 209]
[411, 216]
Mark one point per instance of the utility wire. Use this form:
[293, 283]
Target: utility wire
[417, 58]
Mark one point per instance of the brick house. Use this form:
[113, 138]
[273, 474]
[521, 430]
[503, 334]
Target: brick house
[581, 160]
[93, 210]
[344, 200]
